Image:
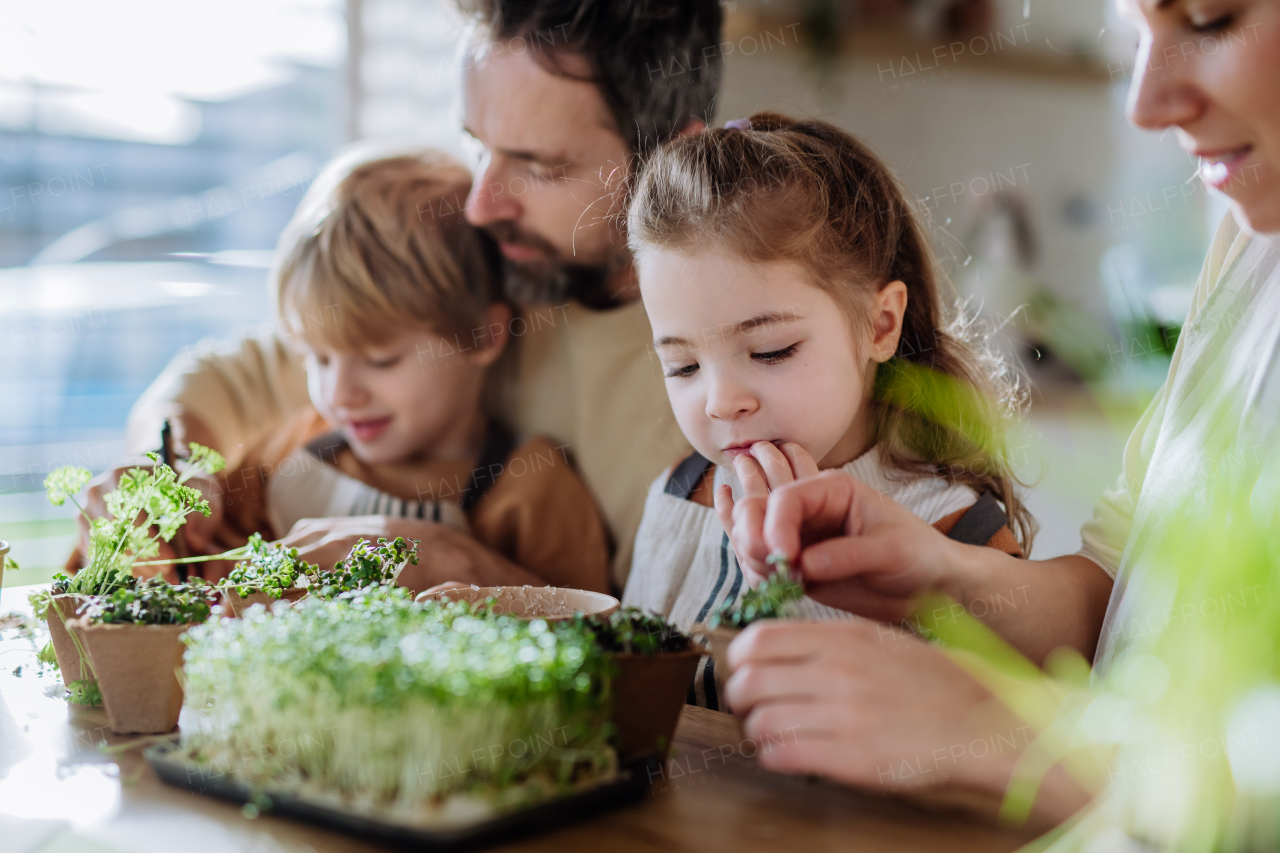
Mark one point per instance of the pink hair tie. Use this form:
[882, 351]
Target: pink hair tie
[743, 124]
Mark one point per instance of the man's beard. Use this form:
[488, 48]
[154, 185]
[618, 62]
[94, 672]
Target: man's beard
[553, 282]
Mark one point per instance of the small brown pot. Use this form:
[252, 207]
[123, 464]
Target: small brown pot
[648, 695]
[238, 605]
[61, 611]
[553, 604]
[137, 668]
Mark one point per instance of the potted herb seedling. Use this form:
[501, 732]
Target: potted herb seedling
[147, 507]
[773, 598]
[654, 665]
[269, 573]
[133, 640]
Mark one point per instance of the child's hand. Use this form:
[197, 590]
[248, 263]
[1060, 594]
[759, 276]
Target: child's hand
[761, 471]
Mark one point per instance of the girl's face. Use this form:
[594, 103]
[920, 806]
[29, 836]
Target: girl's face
[414, 396]
[754, 352]
[1211, 68]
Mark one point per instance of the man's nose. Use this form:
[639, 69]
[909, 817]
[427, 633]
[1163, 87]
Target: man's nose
[491, 199]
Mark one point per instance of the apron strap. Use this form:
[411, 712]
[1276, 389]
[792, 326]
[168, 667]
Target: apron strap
[982, 521]
[687, 474]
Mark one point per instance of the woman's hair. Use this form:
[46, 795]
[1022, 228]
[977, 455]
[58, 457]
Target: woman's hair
[778, 189]
[379, 245]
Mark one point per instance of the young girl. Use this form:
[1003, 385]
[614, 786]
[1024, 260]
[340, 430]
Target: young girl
[393, 299]
[795, 311]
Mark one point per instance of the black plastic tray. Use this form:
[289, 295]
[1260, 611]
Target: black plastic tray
[631, 785]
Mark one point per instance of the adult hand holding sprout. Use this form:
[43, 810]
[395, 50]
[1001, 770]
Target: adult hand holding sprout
[860, 551]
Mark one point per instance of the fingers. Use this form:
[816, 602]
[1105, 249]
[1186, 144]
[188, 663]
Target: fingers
[752, 477]
[776, 466]
[724, 508]
[785, 641]
[817, 504]
[747, 536]
[802, 464]
[848, 556]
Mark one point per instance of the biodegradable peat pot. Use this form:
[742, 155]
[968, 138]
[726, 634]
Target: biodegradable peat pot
[238, 605]
[60, 612]
[648, 695]
[553, 604]
[137, 668]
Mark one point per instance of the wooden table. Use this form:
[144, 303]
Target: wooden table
[710, 797]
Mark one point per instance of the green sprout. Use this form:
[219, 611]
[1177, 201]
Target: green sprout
[367, 565]
[10, 564]
[154, 602]
[144, 500]
[771, 599]
[395, 705]
[630, 631]
[269, 567]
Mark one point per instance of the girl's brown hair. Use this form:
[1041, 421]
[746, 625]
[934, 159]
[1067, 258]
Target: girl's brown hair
[379, 244]
[810, 193]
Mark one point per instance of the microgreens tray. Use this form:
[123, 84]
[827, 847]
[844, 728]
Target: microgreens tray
[460, 832]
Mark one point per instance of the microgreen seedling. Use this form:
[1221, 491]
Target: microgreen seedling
[396, 703]
[367, 565]
[154, 602]
[269, 567]
[768, 600]
[630, 631]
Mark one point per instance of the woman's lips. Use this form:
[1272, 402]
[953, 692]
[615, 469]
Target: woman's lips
[1220, 168]
[367, 430]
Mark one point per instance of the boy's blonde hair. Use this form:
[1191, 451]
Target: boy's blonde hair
[380, 245]
[778, 189]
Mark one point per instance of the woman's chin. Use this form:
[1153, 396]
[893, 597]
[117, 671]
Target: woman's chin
[1259, 216]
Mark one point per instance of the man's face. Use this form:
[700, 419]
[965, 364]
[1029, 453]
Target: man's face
[551, 158]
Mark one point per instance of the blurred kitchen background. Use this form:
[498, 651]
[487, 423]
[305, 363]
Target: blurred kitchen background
[151, 151]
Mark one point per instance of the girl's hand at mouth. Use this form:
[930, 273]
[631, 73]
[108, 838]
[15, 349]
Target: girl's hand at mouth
[765, 468]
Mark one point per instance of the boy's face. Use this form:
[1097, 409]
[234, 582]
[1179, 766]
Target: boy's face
[414, 396]
[754, 352]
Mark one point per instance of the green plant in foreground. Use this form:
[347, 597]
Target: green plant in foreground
[154, 602]
[144, 499]
[394, 705]
[768, 600]
[269, 567]
[366, 565]
[630, 631]
[85, 693]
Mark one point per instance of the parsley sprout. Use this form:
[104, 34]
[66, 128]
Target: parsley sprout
[144, 499]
